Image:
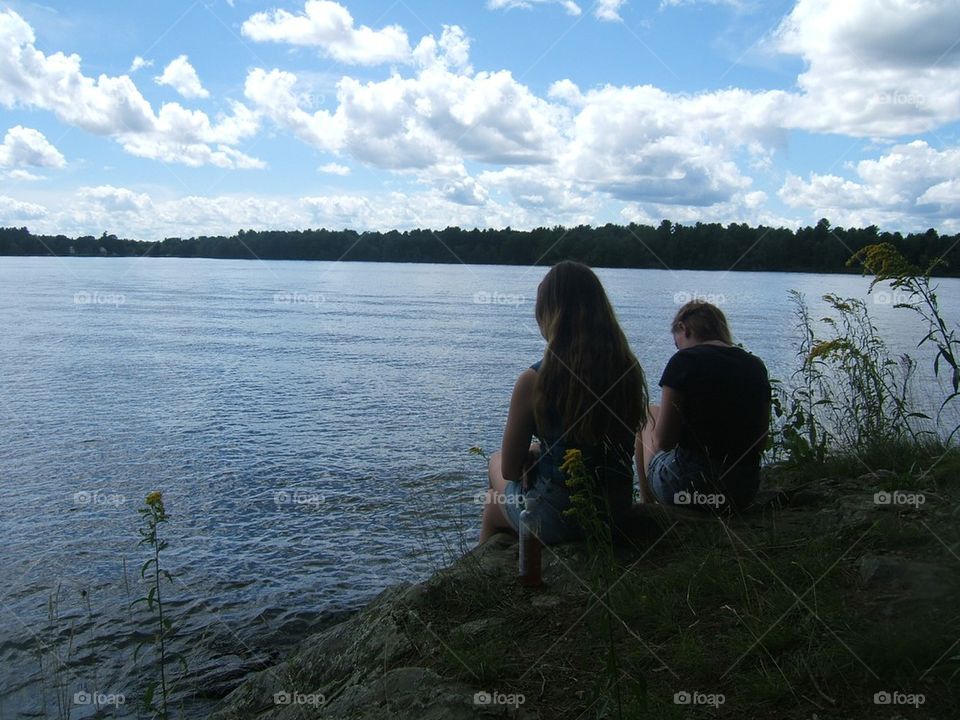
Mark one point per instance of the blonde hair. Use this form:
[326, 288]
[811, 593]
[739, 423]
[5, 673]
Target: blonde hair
[588, 375]
[704, 321]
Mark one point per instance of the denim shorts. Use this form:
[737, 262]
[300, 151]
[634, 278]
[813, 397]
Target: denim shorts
[680, 477]
[552, 500]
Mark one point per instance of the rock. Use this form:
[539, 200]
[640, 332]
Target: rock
[901, 585]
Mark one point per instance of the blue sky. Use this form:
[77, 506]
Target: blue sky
[152, 119]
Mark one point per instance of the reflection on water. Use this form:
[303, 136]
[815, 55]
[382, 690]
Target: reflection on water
[308, 424]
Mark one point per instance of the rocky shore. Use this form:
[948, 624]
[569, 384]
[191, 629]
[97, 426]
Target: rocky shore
[813, 604]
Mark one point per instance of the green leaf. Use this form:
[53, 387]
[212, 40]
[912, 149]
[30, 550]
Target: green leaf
[148, 695]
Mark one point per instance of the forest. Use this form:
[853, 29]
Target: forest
[701, 246]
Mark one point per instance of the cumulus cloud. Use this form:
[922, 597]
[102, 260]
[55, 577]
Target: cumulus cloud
[138, 63]
[13, 211]
[644, 144]
[114, 107]
[438, 116]
[182, 77]
[880, 68]
[330, 27]
[609, 10]
[913, 183]
[28, 147]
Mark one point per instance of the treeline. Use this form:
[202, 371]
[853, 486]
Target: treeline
[703, 246]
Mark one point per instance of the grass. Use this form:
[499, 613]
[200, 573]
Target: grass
[770, 611]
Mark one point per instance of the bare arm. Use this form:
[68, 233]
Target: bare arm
[666, 432]
[519, 429]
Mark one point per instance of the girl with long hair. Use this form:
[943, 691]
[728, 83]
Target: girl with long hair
[587, 392]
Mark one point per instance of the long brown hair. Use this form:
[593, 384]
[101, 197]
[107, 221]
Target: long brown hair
[588, 375]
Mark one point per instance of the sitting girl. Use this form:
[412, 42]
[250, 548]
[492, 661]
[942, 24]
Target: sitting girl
[588, 391]
[702, 446]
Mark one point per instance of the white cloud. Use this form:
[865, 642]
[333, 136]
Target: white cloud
[571, 7]
[644, 144]
[436, 117]
[912, 185]
[880, 68]
[113, 199]
[28, 147]
[452, 51]
[182, 77]
[139, 62]
[609, 10]
[330, 26]
[13, 211]
[335, 169]
[114, 107]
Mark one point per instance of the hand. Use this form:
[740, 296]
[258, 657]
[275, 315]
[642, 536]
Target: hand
[529, 467]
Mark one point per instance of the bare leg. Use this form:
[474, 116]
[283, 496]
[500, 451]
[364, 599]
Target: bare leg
[644, 451]
[493, 520]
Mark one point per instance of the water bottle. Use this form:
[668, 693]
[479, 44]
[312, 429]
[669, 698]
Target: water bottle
[530, 555]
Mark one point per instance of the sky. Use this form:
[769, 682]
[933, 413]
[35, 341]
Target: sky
[176, 119]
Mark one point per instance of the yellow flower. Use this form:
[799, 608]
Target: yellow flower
[155, 498]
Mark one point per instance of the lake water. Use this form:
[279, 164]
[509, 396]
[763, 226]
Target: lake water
[308, 424]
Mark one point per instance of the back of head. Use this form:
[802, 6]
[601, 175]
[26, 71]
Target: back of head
[589, 374]
[704, 321]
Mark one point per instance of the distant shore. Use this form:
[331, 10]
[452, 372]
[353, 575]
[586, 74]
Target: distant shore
[671, 246]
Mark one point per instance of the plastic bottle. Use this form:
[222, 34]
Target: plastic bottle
[530, 547]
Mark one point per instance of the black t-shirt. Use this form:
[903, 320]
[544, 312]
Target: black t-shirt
[725, 403]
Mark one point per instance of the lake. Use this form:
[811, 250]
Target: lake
[308, 424]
